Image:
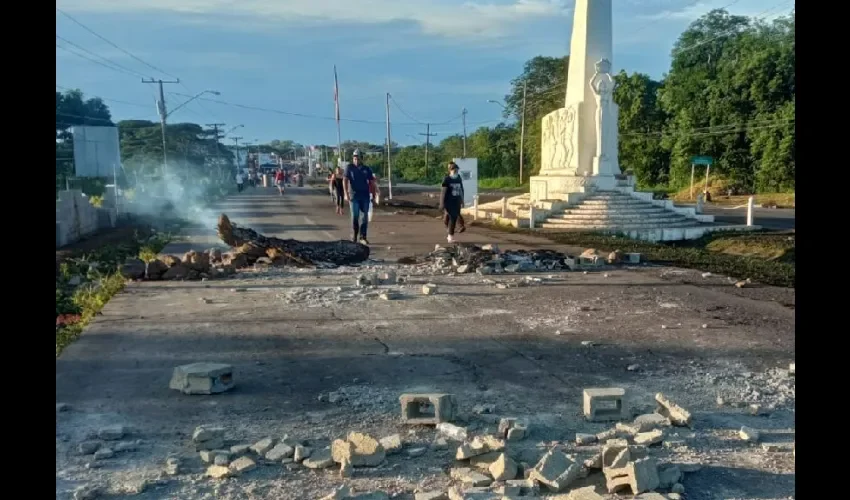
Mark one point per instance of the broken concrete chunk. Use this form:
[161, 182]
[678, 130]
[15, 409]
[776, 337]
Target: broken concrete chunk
[429, 289]
[555, 471]
[594, 462]
[321, 459]
[638, 476]
[222, 460]
[792, 368]
[440, 443]
[204, 433]
[362, 450]
[452, 431]
[239, 449]
[112, 433]
[88, 492]
[651, 421]
[219, 472]
[242, 465]
[503, 468]
[428, 409]
[649, 438]
[602, 405]
[202, 378]
[88, 447]
[431, 495]
[470, 477]
[392, 444]
[103, 454]
[677, 415]
[612, 450]
[262, 446]
[527, 487]
[586, 493]
[172, 466]
[279, 452]
[516, 434]
[749, 434]
[301, 452]
[340, 493]
[467, 493]
[606, 435]
[479, 446]
[212, 444]
[346, 469]
[585, 439]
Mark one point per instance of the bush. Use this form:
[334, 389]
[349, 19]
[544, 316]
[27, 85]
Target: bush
[500, 183]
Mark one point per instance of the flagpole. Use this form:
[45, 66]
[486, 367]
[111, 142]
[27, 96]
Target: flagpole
[336, 103]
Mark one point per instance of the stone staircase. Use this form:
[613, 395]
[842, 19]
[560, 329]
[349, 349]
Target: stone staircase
[617, 211]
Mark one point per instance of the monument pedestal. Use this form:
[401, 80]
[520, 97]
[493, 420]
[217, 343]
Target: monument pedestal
[571, 188]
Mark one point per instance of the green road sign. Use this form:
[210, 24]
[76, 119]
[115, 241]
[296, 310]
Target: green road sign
[702, 160]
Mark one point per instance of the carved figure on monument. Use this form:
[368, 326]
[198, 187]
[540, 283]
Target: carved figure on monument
[603, 88]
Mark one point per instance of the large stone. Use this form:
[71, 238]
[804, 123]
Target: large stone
[555, 471]
[112, 432]
[483, 462]
[202, 378]
[279, 452]
[452, 431]
[155, 269]
[176, 272]
[301, 452]
[651, 421]
[362, 450]
[321, 459]
[262, 446]
[429, 409]
[392, 444]
[649, 438]
[219, 471]
[470, 477]
[503, 468]
[479, 446]
[242, 465]
[133, 269]
[203, 433]
[677, 415]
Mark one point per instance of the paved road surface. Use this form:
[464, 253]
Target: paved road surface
[780, 219]
[294, 334]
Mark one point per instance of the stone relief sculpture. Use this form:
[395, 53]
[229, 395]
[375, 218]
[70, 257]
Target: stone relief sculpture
[603, 88]
[558, 131]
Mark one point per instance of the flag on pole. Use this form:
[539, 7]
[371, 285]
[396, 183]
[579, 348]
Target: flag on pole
[336, 96]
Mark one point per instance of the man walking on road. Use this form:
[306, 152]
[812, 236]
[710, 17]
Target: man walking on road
[451, 199]
[240, 179]
[359, 184]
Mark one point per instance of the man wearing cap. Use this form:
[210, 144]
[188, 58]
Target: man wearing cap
[359, 183]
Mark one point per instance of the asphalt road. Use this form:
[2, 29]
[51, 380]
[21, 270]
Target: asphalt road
[780, 219]
[520, 348]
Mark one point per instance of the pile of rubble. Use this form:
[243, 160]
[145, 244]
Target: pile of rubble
[488, 259]
[192, 266]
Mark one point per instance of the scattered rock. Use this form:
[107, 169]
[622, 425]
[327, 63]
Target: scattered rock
[479, 446]
[103, 454]
[239, 449]
[262, 446]
[749, 434]
[649, 438]
[677, 415]
[429, 289]
[416, 452]
[279, 452]
[792, 368]
[172, 466]
[60, 407]
[88, 492]
[440, 443]
[222, 460]
[204, 433]
[340, 493]
[219, 472]
[88, 447]
[470, 477]
[633, 368]
[503, 468]
[651, 421]
[202, 378]
[321, 459]
[362, 450]
[301, 452]
[242, 465]
[585, 439]
[555, 470]
[112, 433]
[452, 431]
[392, 444]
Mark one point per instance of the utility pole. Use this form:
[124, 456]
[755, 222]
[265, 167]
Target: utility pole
[428, 136]
[389, 150]
[215, 131]
[464, 132]
[163, 114]
[522, 130]
[236, 144]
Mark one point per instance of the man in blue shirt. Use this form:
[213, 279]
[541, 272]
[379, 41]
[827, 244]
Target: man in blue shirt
[359, 183]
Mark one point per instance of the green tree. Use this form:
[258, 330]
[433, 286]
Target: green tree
[546, 78]
[640, 123]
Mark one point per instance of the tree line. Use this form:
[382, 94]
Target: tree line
[729, 94]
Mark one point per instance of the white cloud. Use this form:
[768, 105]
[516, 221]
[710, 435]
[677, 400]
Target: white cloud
[436, 17]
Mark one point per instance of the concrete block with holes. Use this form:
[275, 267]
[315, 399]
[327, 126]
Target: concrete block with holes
[601, 405]
[428, 409]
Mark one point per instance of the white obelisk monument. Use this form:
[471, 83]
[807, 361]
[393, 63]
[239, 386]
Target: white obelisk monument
[579, 146]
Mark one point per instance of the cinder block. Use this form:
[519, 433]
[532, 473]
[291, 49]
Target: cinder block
[602, 405]
[202, 378]
[428, 409]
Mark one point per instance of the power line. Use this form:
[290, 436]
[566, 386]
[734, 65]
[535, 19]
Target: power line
[83, 56]
[420, 122]
[124, 68]
[78, 23]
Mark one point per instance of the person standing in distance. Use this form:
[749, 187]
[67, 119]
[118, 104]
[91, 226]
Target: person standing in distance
[451, 199]
[359, 184]
[240, 179]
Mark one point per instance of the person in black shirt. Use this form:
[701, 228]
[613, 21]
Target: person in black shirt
[451, 199]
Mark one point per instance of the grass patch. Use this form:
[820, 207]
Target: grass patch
[500, 183]
[755, 256]
[85, 284]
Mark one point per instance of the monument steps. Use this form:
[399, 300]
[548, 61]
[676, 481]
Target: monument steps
[616, 211]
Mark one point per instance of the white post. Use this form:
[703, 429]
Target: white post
[504, 206]
[700, 202]
[475, 208]
[750, 205]
[531, 216]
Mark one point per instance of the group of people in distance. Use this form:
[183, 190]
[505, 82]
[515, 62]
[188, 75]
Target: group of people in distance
[358, 185]
[254, 179]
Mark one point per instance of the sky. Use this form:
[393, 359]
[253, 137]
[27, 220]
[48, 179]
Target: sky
[271, 61]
